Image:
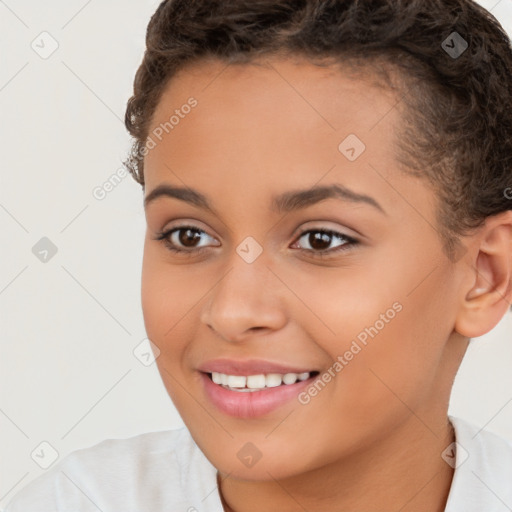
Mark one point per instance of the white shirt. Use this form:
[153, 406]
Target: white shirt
[167, 472]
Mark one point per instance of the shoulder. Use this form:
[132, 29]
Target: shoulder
[483, 469]
[482, 445]
[141, 472]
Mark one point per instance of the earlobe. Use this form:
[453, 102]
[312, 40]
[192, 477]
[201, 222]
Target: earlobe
[490, 294]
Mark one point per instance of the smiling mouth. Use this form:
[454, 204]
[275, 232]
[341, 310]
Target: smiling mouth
[249, 396]
[259, 382]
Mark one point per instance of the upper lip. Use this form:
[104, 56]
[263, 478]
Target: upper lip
[248, 367]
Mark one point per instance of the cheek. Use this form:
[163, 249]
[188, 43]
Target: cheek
[389, 332]
[167, 300]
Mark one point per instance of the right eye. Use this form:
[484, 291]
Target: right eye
[180, 236]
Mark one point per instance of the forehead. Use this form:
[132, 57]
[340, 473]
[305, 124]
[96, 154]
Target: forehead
[278, 123]
[298, 86]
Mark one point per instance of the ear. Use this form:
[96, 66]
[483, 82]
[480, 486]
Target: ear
[489, 278]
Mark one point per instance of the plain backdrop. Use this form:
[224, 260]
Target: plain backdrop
[72, 367]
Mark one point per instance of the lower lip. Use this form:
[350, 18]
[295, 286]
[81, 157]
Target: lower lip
[251, 404]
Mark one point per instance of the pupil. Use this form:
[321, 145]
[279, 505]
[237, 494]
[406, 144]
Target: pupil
[323, 238]
[185, 238]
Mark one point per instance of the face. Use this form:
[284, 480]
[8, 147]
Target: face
[345, 290]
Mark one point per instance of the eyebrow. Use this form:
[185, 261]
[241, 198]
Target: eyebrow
[285, 202]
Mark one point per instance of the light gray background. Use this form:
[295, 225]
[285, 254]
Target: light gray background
[68, 374]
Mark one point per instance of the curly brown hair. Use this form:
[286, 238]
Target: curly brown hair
[455, 89]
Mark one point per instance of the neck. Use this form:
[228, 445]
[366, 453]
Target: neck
[403, 472]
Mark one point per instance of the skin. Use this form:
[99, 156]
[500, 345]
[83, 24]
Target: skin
[372, 438]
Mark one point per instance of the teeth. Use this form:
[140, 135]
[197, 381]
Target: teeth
[273, 380]
[236, 381]
[255, 382]
[290, 378]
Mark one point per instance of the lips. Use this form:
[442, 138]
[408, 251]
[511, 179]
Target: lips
[257, 402]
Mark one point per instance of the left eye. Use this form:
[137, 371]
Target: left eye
[188, 236]
[319, 238]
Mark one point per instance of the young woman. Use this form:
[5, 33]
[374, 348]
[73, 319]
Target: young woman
[328, 195]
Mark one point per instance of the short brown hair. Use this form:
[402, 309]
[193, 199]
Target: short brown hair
[456, 109]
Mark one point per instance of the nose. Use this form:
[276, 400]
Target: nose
[248, 298]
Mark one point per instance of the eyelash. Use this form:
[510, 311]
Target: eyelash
[163, 237]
